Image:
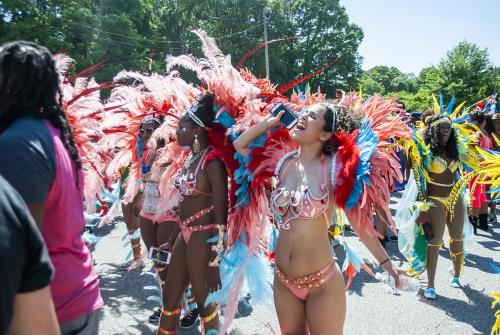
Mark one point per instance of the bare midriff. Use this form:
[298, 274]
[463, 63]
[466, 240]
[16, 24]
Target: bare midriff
[445, 178]
[304, 248]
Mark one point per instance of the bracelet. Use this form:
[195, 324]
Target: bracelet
[382, 263]
[218, 248]
[215, 263]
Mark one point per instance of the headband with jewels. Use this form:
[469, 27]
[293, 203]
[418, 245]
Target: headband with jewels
[150, 118]
[190, 113]
[441, 120]
[450, 114]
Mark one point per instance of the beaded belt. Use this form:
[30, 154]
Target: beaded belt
[307, 281]
[184, 224]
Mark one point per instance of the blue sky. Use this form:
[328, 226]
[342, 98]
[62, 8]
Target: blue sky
[414, 34]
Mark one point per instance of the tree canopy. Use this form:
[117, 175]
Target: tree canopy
[466, 73]
[124, 33]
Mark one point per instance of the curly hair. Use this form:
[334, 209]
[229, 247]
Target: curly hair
[432, 136]
[345, 121]
[35, 68]
[479, 116]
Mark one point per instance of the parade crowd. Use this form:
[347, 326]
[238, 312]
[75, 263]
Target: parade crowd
[235, 187]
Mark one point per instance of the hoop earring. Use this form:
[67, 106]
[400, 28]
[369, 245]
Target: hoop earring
[196, 144]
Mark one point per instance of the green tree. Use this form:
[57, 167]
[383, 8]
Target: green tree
[124, 33]
[383, 79]
[464, 72]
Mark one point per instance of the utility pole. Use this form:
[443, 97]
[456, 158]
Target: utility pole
[266, 14]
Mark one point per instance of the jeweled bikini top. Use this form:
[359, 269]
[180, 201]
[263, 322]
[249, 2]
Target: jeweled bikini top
[296, 204]
[185, 182]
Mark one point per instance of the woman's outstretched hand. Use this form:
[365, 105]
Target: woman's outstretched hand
[394, 271]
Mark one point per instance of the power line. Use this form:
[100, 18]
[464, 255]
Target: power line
[161, 41]
[240, 32]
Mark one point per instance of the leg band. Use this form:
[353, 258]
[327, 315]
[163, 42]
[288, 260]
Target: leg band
[162, 331]
[170, 313]
[210, 317]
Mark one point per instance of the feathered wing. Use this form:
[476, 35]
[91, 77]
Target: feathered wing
[164, 97]
[365, 168]
[366, 165]
[83, 107]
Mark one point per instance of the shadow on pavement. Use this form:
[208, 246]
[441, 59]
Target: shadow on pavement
[126, 289]
[467, 312]
[494, 237]
[473, 261]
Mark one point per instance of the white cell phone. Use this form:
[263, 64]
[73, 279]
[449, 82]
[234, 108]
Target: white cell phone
[289, 119]
[160, 256]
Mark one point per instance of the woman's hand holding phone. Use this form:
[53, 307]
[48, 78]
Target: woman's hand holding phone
[273, 121]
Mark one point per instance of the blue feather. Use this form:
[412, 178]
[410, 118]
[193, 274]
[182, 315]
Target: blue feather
[225, 120]
[242, 176]
[495, 267]
[440, 103]
[367, 140]
[273, 239]
[462, 119]
[449, 109]
[258, 275]
[351, 257]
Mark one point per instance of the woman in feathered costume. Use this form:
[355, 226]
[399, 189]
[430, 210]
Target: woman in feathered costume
[479, 198]
[133, 117]
[158, 98]
[339, 158]
[436, 155]
[202, 186]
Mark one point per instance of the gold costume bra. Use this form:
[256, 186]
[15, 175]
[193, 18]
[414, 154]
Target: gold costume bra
[439, 165]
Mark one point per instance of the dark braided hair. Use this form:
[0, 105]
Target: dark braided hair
[34, 68]
[345, 121]
[432, 136]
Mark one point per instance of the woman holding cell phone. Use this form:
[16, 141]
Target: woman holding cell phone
[309, 290]
[156, 228]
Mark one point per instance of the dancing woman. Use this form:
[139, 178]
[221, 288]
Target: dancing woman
[442, 176]
[436, 154]
[202, 185]
[307, 281]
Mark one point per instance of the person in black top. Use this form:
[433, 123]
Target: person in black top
[26, 305]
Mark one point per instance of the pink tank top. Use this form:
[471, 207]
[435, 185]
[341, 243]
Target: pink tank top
[75, 288]
[486, 141]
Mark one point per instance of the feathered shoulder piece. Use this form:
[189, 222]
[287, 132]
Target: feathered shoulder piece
[84, 111]
[366, 165]
[419, 157]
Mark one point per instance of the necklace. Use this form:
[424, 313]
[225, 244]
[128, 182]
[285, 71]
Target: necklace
[190, 159]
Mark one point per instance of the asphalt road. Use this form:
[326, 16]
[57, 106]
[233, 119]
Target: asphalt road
[131, 296]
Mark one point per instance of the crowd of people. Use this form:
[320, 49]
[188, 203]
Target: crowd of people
[232, 193]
